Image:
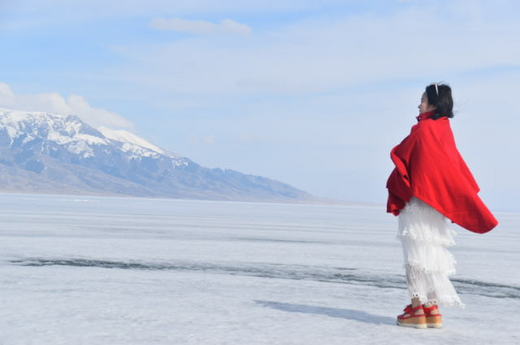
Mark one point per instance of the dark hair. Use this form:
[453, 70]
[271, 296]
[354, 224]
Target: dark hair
[440, 97]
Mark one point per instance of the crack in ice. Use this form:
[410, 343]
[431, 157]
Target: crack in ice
[325, 274]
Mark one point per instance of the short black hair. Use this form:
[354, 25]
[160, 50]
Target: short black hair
[439, 95]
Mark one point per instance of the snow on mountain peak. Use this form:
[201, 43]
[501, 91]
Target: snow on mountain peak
[71, 132]
[68, 131]
[126, 137]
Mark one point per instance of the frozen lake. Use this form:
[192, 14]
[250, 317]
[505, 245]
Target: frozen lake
[99, 270]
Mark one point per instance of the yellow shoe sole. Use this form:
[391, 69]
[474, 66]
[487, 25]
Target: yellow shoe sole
[412, 325]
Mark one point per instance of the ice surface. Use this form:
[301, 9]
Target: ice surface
[93, 270]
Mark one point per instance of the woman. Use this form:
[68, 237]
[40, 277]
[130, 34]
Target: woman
[430, 186]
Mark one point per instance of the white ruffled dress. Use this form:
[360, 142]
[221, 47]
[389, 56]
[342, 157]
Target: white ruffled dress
[425, 235]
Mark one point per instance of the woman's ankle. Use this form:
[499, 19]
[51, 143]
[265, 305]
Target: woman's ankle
[430, 304]
[416, 302]
[431, 308]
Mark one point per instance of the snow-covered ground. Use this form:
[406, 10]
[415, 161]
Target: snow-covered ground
[93, 270]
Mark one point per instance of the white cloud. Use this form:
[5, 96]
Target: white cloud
[7, 97]
[200, 26]
[56, 103]
[322, 54]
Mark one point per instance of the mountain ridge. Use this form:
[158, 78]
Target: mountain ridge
[47, 152]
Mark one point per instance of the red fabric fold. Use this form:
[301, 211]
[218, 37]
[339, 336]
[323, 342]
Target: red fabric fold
[429, 166]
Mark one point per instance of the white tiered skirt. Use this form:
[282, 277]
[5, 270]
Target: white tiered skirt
[425, 235]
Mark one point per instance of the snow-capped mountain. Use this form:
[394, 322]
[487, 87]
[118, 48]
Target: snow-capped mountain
[20, 128]
[45, 152]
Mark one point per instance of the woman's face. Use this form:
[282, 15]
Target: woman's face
[425, 107]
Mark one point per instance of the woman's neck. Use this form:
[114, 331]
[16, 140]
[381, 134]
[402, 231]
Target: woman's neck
[425, 115]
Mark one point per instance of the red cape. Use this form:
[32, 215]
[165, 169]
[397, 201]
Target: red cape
[429, 166]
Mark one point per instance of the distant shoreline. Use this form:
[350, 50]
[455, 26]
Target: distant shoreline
[316, 201]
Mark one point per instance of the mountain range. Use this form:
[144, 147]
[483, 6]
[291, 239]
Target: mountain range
[43, 152]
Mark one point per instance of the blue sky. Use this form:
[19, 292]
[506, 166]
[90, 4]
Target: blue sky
[312, 93]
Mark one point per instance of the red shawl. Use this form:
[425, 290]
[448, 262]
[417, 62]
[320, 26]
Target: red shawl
[429, 166]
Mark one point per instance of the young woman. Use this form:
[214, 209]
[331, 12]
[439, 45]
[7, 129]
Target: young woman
[430, 187]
